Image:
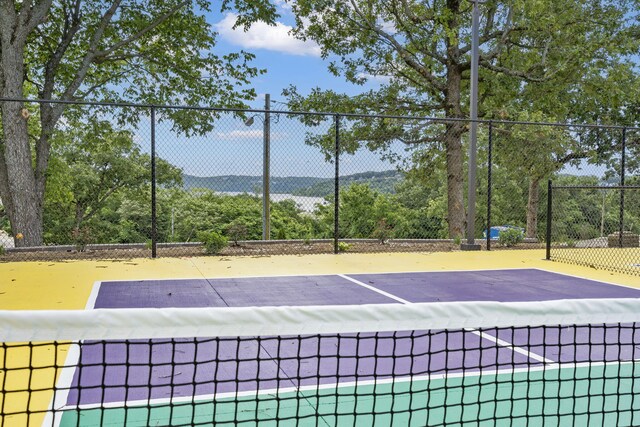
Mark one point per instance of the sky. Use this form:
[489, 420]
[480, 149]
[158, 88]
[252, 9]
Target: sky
[235, 149]
[287, 60]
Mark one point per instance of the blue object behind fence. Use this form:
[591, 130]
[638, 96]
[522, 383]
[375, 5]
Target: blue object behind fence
[495, 231]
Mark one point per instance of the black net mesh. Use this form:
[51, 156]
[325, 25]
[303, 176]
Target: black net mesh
[555, 375]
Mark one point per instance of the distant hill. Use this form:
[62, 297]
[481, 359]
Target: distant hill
[384, 182]
[297, 185]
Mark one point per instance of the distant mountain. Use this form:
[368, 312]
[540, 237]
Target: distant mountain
[249, 184]
[297, 185]
[384, 182]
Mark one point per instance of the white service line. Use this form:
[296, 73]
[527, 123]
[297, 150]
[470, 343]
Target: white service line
[483, 335]
[509, 345]
[374, 289]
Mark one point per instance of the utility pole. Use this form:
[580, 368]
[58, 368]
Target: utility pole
[470, 245]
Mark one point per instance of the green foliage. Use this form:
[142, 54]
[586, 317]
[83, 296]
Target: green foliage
[343, 246]
[383, 231]
[150, 52]
[510, 237]
[98, 170]
[237, 231]
[2, 250]
[457, 240]
[213, 241]
[81, 237]
[552, 61]
[4, 220]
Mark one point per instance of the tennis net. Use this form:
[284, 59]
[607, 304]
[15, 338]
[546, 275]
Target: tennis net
[570, 362]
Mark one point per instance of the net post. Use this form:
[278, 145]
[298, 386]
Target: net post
[154, 222]
[336, 189]
[549, 212]
[489, 166]
[622, 182]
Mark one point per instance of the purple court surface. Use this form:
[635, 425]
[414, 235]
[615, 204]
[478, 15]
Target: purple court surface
[342, 359]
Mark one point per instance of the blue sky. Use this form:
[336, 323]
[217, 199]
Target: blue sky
[235, 149]
[286, 59]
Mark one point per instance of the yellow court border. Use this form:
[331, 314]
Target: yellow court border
[68, 285]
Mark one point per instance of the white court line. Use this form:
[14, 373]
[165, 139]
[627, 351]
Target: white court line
[91, 301]
[204, 277]
[483, 335]
[510, 346]
[317, 387]
[374, 289]
[65, 380]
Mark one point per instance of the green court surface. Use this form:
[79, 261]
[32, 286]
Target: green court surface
[595, 395]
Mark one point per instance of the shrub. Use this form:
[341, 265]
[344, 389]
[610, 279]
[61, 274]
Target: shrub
[81, 237]
[383, 231]
[457, 240]
[1, 250]
[237, 231]
[343, 246]
[510, 237]
[213, 242]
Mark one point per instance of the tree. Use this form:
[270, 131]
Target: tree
[96, 162]
[153, 51]
[422, 49]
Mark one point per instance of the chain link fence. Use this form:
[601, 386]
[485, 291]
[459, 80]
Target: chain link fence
[144, 181]
[595, 217]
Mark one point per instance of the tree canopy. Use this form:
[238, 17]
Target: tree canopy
[150, 51]
[543, 57]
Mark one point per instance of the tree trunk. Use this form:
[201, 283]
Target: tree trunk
[455, 181]
[25, 207]
[532, 207]
[25, 214]
[453, 145]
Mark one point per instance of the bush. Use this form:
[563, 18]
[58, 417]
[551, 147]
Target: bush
[343, 246]
[237, 231]
[383, 231]
[81, 237]
[213, 242]
[510, 237]
[1, 250]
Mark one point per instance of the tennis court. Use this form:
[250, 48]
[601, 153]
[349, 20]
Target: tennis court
[458, 375]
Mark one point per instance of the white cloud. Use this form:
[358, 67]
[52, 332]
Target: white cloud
[262, 36]
[243, 134]
[370, 77]
[239, 134]
[283, 5]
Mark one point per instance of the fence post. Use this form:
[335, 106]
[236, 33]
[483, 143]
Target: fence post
[489, 166]
[266, 166]
[154, 229]
[622, 182]
[336, 189]
[549, 212]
